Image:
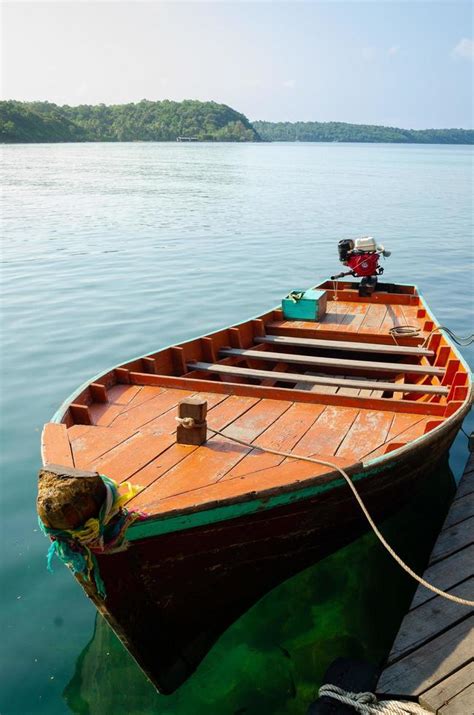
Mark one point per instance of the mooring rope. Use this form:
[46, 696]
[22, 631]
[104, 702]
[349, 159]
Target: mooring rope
[367, 703]
[463, 342]
[188, 422]
[105, 534]
[412, 331]
[404, 331]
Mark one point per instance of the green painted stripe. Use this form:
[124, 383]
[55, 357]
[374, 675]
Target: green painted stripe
[166, 525]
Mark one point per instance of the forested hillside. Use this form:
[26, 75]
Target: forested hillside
[144, 121]
[341, 132]
[27, 122]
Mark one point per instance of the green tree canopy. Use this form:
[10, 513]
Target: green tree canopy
[144, 121]
[22, 122]
[341, 132]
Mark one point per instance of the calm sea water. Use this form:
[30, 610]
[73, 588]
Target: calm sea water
[113, 250]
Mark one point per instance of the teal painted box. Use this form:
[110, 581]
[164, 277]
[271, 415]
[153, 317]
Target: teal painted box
[304, 305]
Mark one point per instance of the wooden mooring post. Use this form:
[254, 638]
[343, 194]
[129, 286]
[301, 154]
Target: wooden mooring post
[193, 427]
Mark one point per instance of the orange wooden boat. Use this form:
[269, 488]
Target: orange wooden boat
[227, 522]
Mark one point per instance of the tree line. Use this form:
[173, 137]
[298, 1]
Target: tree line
[29, 122]
[341, 132]
[143, 121]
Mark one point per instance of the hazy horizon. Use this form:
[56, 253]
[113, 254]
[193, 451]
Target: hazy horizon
[394, 63]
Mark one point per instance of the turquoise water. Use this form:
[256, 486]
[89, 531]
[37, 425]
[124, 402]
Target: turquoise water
[110, 250]
[273, 659]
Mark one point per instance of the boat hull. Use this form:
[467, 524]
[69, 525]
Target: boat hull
[225, 521]
[169, 597]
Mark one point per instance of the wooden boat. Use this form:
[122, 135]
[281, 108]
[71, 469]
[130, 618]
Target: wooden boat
[227, 522]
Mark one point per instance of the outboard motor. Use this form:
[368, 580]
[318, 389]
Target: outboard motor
[362, 257]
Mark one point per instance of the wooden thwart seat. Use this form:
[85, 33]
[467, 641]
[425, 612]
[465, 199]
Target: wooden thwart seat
[333, 362]
[293, 377]
[380, 348]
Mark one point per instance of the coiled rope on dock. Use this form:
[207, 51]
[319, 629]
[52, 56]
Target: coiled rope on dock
[367, 703]
[188, 422]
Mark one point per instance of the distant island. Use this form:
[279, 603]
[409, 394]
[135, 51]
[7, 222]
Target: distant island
[190, 120]
[341, 132]
[30, 122]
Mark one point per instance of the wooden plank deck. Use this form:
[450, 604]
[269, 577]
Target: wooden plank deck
[135, 438]
[432, 658]
[380, 396]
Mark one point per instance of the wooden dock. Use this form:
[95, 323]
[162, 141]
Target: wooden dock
[432, 659]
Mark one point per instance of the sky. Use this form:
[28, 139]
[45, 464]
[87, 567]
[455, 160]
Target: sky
[400, 63]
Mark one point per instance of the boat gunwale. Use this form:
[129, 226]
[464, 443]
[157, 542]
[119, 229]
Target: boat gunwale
[293, 489]
[60, 413]
[268, 499]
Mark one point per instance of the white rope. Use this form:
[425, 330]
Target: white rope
[412, 331]
[367, 703]
[404, 331]
[189, 423]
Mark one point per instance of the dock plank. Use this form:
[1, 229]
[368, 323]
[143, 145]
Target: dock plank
[460, 510]
[428, 665]
[428, 620]
[439, 696]
[469, 466]
[445, 574]
[466, 485]
[452, 539]
[461, 704]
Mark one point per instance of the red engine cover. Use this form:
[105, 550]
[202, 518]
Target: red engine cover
[363, 264]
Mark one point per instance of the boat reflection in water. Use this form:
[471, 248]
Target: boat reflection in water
[273, 658]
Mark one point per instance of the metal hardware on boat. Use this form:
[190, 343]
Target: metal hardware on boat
[362, 257]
